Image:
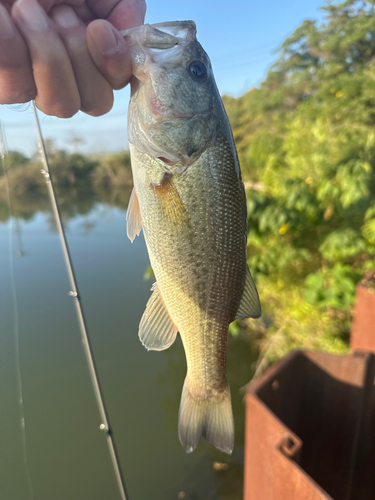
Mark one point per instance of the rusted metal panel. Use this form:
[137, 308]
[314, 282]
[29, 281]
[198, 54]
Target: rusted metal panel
[310, 428]
[363, 327]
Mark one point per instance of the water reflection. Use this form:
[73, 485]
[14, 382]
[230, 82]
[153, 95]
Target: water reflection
[142, 389]
[72, 202]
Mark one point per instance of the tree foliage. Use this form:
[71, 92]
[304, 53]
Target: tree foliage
[307, 136]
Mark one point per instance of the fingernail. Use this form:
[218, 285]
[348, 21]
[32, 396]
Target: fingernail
[32, 15]
[6, 26]
[64, 16]
[107, 43]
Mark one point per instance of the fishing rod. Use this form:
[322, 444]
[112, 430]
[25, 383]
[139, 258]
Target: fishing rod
[104, 426]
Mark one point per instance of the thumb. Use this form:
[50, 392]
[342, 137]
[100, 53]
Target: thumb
[110, 53]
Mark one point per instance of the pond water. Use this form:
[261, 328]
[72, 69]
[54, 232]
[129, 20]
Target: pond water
[60, 453]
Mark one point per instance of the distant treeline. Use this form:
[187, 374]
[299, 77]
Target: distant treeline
[69, 170]
[79, 181]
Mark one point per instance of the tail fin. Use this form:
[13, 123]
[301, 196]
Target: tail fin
[210, 418]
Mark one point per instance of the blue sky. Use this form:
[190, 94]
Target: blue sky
[240, 36]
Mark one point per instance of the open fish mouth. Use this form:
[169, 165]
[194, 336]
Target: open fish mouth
[158, 44]
[163, 35]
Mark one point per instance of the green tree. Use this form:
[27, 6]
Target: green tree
[115, 171]
[15, 159]
[307, 136]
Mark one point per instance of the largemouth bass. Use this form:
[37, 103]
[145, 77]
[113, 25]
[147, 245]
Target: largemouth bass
[189, 199]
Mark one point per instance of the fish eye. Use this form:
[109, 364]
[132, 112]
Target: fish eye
[197, 70]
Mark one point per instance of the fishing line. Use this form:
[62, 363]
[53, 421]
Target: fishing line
[3, 154]
[104, 426]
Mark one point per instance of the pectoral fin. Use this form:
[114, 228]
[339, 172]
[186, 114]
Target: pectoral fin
[133, 217]
[170, 201]
[250, 305]
[156, 329]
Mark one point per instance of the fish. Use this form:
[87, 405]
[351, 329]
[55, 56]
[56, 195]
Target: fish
[189, 199]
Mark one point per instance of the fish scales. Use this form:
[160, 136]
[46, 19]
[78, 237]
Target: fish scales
[200, 268]
[192, 207]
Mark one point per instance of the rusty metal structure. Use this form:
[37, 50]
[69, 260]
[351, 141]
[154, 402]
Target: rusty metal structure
[310, 422]
[363, 328]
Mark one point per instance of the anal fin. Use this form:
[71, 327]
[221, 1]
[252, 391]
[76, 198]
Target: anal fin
[250, 304]
[156, 329]
[133, 217]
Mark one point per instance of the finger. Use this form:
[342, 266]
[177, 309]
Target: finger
[95, 91]
[57, 92]
[122, 14]
[16, 76]
[84, 13]
[108, 49]
[49, 4]
[109, 52]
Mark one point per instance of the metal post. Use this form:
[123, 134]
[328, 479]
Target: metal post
[104, 426]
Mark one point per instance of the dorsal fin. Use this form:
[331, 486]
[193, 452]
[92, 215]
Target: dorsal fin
[156, 329]
[133, 217]
[250, 305]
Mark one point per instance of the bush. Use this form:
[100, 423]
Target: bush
[307, 136]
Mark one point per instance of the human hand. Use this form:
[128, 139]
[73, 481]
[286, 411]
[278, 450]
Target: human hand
[67, 56]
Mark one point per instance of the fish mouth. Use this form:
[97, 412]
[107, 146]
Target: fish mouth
[155, 36]
[157, 44]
